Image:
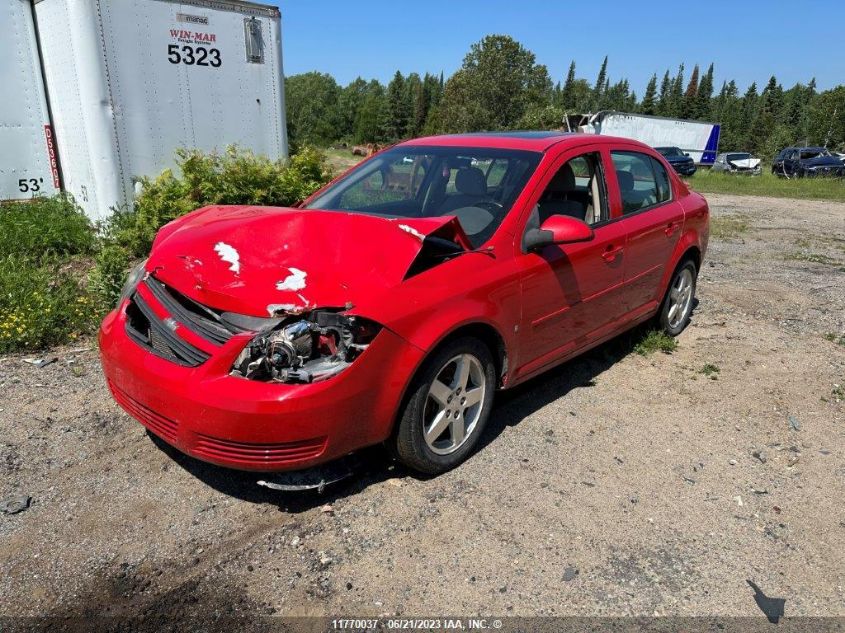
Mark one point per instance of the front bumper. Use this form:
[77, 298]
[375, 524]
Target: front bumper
[685, 169]
[250, 425]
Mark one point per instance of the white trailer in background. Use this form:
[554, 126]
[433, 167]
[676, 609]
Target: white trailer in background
[130, 81]
[28, 164]
[698, 139]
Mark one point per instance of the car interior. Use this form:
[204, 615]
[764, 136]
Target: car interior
[576, 190]
[478, 189]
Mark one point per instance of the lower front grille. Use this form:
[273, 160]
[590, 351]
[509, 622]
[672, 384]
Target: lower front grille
[145, 328]
[258, 454]
[163, 427]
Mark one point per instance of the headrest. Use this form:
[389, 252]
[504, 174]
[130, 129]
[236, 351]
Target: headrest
[626, 180]
[563, 180]
[471, 181]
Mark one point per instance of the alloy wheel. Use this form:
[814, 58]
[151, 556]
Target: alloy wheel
[680, 298]
[454, 404]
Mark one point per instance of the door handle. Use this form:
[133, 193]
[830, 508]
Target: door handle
[671, 228]
[611, 253]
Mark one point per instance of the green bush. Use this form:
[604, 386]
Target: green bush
[111, 267]
[42, 302]
[50, 292]
[45, 226]
[233, 177]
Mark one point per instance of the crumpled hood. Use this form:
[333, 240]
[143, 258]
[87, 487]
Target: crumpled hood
[258, 260]
[745, 163]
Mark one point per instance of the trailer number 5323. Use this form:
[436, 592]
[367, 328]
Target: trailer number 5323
[194, 55]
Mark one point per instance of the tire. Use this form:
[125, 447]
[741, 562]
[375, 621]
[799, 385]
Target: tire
[680, 293]
[442, 448]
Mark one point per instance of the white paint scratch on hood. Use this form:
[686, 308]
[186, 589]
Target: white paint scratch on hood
[230, 255]
[294, 281]
[412, 231]
[275, 308]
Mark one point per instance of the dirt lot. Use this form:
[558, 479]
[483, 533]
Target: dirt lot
[665, 488]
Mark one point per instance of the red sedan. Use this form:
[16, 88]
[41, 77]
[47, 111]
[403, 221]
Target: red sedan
[393, 303]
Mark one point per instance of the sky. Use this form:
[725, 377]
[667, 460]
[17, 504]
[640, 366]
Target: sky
[748, 40]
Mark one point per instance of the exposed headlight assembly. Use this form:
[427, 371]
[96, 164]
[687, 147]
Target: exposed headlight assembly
[132, 280]
[306, 348]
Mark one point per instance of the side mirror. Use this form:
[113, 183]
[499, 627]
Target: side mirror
[686, 153]
[558, 229]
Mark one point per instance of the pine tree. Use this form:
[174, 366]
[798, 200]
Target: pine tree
[746, 118]
[765, 118]
[703, 106]
[566, 94]
[649, 105]
[398, 107]
[690, 95]
[663, 99]
[676, 94]
[600, 86]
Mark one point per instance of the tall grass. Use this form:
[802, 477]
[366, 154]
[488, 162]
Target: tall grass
[767, 184]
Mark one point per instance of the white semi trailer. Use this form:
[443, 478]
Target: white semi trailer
[27, 148]
[130, 81]
[698, 139]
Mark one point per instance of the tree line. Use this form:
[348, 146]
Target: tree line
[501, 86]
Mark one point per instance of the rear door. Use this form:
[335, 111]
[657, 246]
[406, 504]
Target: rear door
[653, 220]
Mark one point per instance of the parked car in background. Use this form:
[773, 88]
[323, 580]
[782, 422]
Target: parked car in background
[738, 163]
[391, 304]
[681, 161]
[801, 162]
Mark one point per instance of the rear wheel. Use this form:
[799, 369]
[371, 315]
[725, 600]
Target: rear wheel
[448, 406]
[677, 304]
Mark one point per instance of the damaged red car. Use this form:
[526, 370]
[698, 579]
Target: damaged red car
[393, 303]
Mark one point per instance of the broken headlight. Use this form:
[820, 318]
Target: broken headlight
[132, 281]
[306, 348]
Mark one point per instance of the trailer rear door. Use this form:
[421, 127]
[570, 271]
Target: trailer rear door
[27, 152]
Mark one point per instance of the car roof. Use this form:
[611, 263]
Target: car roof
[532, 140]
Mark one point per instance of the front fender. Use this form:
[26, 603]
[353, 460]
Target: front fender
[469, 290]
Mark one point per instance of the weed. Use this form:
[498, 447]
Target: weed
[655, 341]
[710, 370]
[728, 227]
[42, 303]
[813, 258]
[43, 227]
[839, 339]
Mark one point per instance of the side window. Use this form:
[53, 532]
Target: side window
[664, 188]
[577, 190]
[637, 183]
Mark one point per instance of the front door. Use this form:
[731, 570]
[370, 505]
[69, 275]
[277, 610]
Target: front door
[570, 291]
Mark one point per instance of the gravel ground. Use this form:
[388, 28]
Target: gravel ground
[615, 485]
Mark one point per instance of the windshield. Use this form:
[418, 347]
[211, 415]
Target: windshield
[476, 185]
[739, 156]
[813, 153]
[670, 151]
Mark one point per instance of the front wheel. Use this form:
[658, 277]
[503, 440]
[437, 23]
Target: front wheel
[448, 406]
[677, 304]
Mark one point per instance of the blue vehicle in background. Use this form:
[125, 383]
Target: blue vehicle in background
[807, 162]
[680, 160]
